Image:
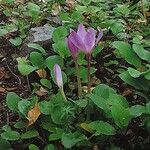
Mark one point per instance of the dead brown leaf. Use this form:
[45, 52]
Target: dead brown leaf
[127, 92]
[2, 90]
[41, 92]
[33, 114]
[42, 73]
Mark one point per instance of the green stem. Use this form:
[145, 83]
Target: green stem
[88, 72]
[63, 94]
[78, 79]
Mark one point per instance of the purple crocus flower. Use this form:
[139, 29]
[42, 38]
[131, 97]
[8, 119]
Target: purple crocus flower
[73, 49]
[85, 40]
[58, 76]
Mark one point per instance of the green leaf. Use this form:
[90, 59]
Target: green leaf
[29, 134]
[6, 128]
[12, 100]
[16, 41]
[10, 135]
[26, 69]
[138, 83]
[101, 127]
[4, 144]
[33, 147]
[50, 147]
[137, 110]
[97, 50]
[81, 103]
[141, 52]
[99, 101]
[37, 59]
[121, 115]
[61, 48]
[104, 91]
[71, 139]
[59, 34]
[24, 106]
[20, 124]
[45, 107]
[37, 47]
[33, 10]
[127, 53]
[116, 28]
[46, 83]
[3, 32]
[52, 60]
[85, 2]
[134, 73]
[56, 135]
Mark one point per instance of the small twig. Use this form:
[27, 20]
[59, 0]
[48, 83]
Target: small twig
[7, 118]
[19, 80]
[29, 87]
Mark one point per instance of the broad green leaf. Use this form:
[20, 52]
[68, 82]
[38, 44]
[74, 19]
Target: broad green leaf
[29, 134]
[99, 101]
[24, 106]
[6, 128]
[116, 28]
[71, 139]
[81, 103]
[26, 69]
[37, 47]
[138, 83]
[20, 124]
[33, 147]
[4, 144]
[97, 50]
[37, 59]
[141, 52]
[85, 2]
[134, 73]
[52, 60]
[59, 34]
[56, 135]
[101, 127]
[3, 32]
[33, 10]
[45, 107]
[12, 100]
[104, 91]
[137, 110]
[127, 53]
[50, 147]
[10, 135]
[46, 83]
[61, 48]
[121, 115]
[16, 41]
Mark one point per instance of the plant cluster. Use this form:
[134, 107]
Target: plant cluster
[94, 86]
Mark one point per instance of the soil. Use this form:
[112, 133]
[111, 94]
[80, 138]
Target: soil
[10, 80]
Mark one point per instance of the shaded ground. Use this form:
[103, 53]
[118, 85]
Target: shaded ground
[10, 80]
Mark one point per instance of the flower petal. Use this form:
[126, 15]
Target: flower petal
[100, 34]
[90, 40]
[73, 49]
[77, 41]
[81, 31]
[58, 76]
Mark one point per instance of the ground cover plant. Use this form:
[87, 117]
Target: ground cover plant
[75, 74]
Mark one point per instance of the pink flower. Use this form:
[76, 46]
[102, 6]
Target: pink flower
[58, 76]
[73, 49]
[84, 40]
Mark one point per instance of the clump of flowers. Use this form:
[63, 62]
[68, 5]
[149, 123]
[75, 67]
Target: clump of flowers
[85, 41]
